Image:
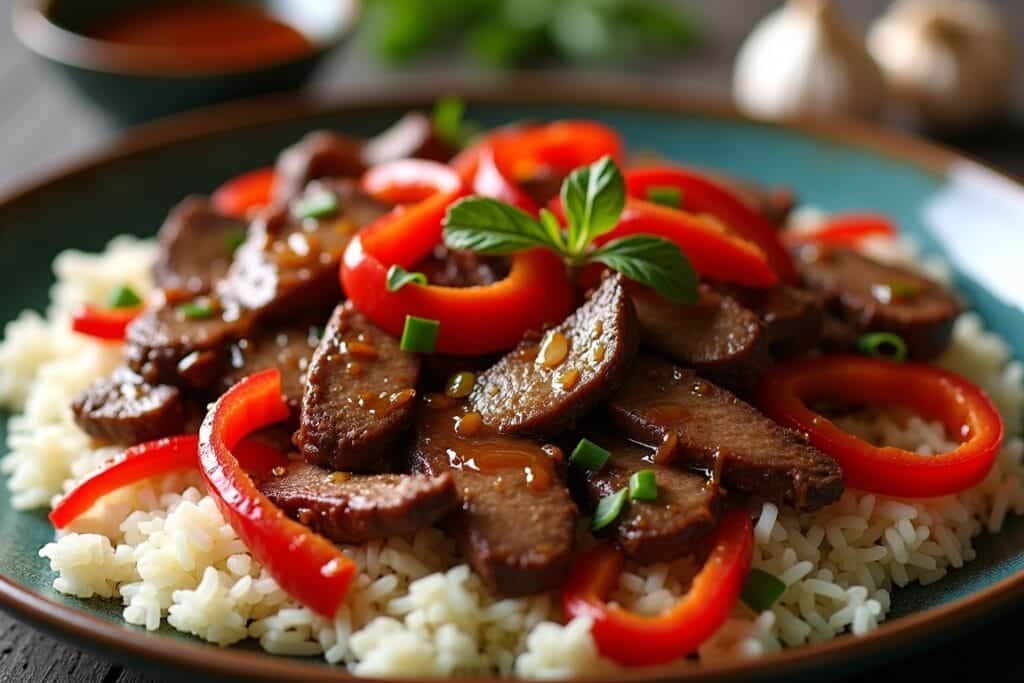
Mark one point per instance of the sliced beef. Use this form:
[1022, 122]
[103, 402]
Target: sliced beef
[412, 136]
[873, 296]
[774, 203]
[543, 186]
[544, 389]
[195, 246]
[359, 396]
[672, 526]
[287, 270]
[357, 508]
[320, 154]
[719, 338]
[289, 349]
[516, 521]
[124, 409]
[459, 268]
[792, 317]
[714, 429]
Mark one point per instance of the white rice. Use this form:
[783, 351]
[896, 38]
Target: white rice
[163, 549]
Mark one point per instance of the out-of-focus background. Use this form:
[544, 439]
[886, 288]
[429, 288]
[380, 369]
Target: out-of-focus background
[973, 100]
[686, 45]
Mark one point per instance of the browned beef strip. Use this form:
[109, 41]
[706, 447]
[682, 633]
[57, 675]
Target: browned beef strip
[718, 337]
[539, 390]
[412, 136]
[196, 246]
[357, 508]
[289, 349]
[672, 526]
[124, 409]
[870, 296]
[792, 317]
[359, 396]
[287, 270]
[714, 429]
[516, 521]
[459, 268]
[320, 154]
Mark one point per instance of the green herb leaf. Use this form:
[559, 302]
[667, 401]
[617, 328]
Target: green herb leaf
[200, 309]
[488, 226]
[316, 205]
[762, 590]
[665, 195]
[643, 485]
[593, 197]
[652, 261]
[608, 509]
[124, 297]
[419, 334]
[589, 455]
[399, 277]
[450, 124]
[553, 228]
[883, 345]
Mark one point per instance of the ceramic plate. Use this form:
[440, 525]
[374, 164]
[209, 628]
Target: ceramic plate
[952, 206]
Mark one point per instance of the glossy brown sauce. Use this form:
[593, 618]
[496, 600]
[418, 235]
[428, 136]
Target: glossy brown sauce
[209, 35]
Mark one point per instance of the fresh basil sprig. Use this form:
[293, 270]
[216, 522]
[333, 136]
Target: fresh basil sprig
[594, 197]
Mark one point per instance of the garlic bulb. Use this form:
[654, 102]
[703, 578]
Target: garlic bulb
[950, 60]
[802, 60]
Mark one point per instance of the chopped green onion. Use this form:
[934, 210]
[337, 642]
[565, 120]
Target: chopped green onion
[233, 240]
[419, 335]
[448, 113]
[124, 297]
[643, 485]
[316, 205]
[460, 384]
[761, 590]
[608, 509]
[589, 455]
[903, 288]
[665, 195]
[399, 277]
[199, 309]
[883, 345]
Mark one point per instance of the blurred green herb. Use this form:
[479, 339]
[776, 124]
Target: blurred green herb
[451, 125]
[510, 33]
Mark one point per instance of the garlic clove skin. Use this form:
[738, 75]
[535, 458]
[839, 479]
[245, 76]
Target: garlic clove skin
[802, 60]
[950, 61]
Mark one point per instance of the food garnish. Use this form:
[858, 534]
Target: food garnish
[124, 297]
[589, 455]
[643, 485]
[762, 590]
[399, 277]
[419, 334]
[883, 345]
[608, 509]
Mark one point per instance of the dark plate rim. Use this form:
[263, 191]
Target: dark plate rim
[122, 641]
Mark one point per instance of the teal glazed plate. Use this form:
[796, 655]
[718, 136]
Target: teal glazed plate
[954, 207]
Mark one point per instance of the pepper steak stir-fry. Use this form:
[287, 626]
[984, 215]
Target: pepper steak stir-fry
[395, 334]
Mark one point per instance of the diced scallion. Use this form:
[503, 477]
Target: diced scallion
[199, 309]
[643, 485]
[589, 455]
[124, 297]
[761, 590]
[419, 334]
[315, 205]
[883, 345]
[233, 240]
[608, 509]
[665, 195]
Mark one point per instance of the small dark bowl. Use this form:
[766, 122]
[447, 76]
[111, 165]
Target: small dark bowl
[123, 80]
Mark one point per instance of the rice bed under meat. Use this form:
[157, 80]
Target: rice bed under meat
[163, 549]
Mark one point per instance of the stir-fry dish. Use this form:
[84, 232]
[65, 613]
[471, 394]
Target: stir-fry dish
[519, 401]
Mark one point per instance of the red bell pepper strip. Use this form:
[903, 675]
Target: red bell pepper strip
[243, 194]
[306, 566]
[844, 230]
[701, 194]
[473, 320]
[103, 323]
[152, 459]
[964, 410]
[712, 250]
[489, 181]
[637, 640]
[423, 189]
[560, 146]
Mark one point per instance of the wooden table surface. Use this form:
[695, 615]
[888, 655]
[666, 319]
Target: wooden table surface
[44, 124]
